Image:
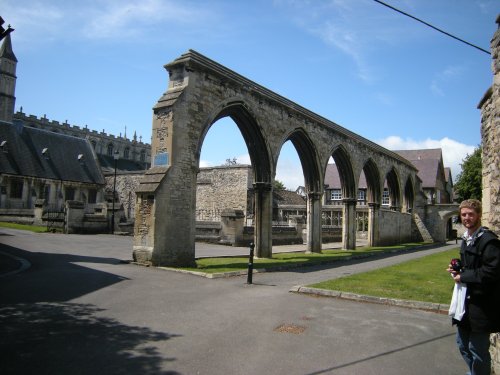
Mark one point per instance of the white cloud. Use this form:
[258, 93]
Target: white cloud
[453, 152]
[33, 21]
[353, 27]
[205, 164]
[119, 19]
[113, 19]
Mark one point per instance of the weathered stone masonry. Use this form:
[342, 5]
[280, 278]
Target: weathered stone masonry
[200, 92]
[490, 136]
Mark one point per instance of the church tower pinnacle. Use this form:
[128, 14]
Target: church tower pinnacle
[8, 64]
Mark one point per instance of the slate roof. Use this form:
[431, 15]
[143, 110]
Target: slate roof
[428, 162]
[122, 165]
[447, 175]
[332, 178]
[21, 154]
[287, 197]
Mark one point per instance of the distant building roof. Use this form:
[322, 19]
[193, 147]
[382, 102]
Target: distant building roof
[332, 178]
[122, 165]
[428, 162]
[286, 197]
[447, 175]
[38, 153]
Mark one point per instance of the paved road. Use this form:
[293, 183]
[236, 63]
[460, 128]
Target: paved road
[80, 309]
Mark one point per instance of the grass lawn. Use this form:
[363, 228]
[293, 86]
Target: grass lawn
[228, 264]
[423, 279]
[32, 228]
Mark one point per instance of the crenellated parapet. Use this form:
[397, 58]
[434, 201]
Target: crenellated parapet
[104, 143]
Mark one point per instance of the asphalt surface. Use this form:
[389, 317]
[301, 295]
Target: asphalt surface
[77, 307]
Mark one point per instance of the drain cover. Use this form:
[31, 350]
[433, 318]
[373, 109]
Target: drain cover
[290, 328]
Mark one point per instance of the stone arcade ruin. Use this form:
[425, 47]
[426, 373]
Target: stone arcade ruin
[200, 92]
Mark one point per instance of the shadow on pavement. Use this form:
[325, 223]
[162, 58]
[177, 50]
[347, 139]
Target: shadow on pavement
[54, 277]
[68, 338]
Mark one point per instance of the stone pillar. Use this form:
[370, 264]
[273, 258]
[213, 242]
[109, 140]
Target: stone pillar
[349, 224]
[314, 222]
[232, 222]
[144, 228]
[263, 193]
[74, 217]
[26, 193]
[298, 222]
[490, 137]
[38, 212]
[373, 224]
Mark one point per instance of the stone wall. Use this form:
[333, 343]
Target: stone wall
[490, 136]
[395, 227]
[220, 188]
[126, 185]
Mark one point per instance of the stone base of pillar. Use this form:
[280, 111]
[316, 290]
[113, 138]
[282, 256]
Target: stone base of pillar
[142, 255]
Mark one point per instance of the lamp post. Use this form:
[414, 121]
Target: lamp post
[115, 157]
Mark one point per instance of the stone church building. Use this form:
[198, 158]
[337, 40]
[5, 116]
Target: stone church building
[44, 164]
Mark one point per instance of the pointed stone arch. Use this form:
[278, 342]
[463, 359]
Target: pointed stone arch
[346, 174]
[247, 123]
[374, 197]
[394, 187]
[201, 91]
[262, 168]
[348, 185]
[313, 180]
[409, 195]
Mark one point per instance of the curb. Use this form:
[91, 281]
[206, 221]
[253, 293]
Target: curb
[287, 267]
[418, 305]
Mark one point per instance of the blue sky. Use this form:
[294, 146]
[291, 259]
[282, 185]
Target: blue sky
[360, 64]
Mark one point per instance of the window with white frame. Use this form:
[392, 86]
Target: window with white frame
[336, 195]
[385, 197]
[361, 195]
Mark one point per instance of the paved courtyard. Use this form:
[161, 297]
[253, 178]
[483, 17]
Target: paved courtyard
[80, 308]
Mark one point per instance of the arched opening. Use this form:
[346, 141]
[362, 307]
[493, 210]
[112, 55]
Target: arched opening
[289, 192]
[225, 176]
[409, 196]
[369, 197]
[312, 189]
[255, 197]
[341, 198]
[391, 196]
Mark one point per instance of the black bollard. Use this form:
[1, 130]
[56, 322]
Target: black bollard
[250, 264]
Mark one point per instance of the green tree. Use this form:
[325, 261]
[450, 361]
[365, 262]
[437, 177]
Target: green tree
[468, 184]
[278, 185]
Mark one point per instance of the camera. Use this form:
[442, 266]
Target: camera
[456, 265]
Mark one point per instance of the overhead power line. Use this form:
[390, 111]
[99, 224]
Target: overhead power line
[433, 27]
